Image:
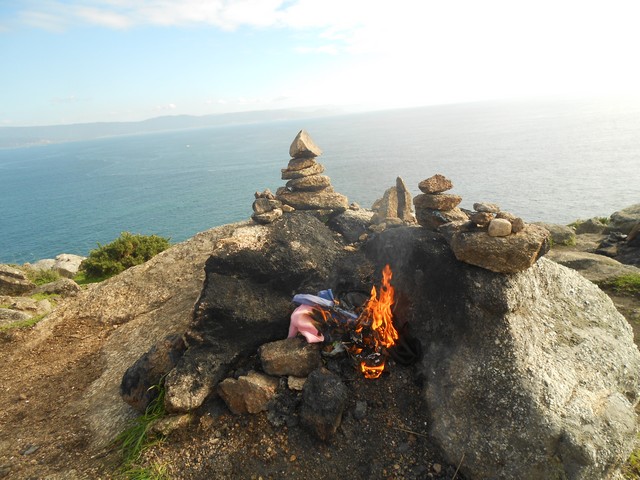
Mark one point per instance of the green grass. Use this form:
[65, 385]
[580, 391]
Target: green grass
[30, 322]
[82, 279]
[625, 284]
[45, 296]
[136, 439]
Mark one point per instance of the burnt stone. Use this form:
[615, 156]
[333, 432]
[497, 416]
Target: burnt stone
[324, 398]
[137, 382]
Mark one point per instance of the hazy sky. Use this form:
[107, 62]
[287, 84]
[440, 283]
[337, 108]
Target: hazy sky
[67, 61]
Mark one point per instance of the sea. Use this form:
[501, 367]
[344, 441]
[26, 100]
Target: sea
[551, 160]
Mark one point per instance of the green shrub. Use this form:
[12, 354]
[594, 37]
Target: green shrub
[124, 252]
[40, 277]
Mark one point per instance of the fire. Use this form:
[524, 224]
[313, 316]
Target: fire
[375, 330]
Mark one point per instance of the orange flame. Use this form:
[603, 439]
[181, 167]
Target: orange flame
[377, 315]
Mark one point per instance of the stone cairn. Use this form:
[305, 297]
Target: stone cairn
[306, 187]
[486, 237]
[434, 207]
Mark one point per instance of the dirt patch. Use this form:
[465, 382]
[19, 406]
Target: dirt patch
[42, 376]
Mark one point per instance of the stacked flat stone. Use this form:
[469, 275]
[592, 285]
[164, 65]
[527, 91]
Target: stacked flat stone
[434, 207]
[306, 187]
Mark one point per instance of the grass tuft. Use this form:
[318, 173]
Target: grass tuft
[625, 284]
[29, 322]
[136, 439]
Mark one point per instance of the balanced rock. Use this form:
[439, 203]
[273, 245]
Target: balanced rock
[300, 163]
[14, 281]
[302, 146]
[501, 254]
[405, 210]
[387, 206]
[436, 184]
[266, 209]
[432, 218]
[267, 217]
[437, 201]
[312, 183]
[315, 200]
[314, 169]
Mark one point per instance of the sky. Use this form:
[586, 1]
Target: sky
[72, 61]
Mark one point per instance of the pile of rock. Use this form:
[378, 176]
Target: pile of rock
[495, 240]
[306, 187]
[433, 206]
[394, 208]
[266, 208]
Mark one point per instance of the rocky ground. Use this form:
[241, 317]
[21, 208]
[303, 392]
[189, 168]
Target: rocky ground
[47, 371]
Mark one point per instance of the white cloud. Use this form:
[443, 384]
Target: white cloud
[168, 106]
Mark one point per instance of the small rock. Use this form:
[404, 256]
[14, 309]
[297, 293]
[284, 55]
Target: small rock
[517, 224]
[354, 206]
[30, 449]
[249, 393]
[262, 205]
[436, 184]
[324, 399]
[360, 411]
[292, 458]
[437, 468]
[169, 424]
[303, 146]
[486, 207]
[8, 315]
[287, 208]
[432, 219]
[267, 217]
[296, 383]
[352, 224]
[14, 281]
[291, 356]
[499, 227]
[593, 225]
[482, 219]
[437, 201]
[64, 287]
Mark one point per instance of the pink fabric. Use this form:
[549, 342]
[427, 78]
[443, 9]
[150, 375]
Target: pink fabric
[301, 322]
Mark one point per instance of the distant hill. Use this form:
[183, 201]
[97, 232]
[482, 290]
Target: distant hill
[12, 137]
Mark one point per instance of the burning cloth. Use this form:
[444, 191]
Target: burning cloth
[366, 336]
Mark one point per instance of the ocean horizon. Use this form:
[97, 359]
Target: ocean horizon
[554, 161]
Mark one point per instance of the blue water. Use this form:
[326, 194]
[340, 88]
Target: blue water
[553, 161]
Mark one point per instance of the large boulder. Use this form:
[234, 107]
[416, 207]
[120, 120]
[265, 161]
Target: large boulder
[246, 299]
[594, 267]
[624, 220]
[67, 264]
[560, 234]
[528, 375]
[14, 282]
